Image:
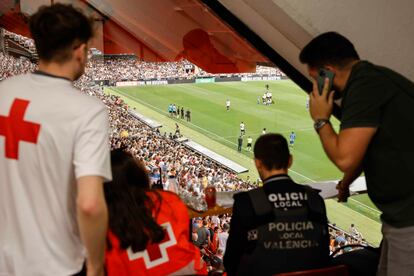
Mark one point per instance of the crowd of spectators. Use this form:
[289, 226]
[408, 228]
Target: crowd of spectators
[177, 167]
[11, 66]
[129, 69]
[22, 40]
[342, 241]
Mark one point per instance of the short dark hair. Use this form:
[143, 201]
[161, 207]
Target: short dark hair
[272, 150]
[328, 48]
[56, 29]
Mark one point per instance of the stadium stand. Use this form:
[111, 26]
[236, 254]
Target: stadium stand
[18, 45]
[128, 68]
[185, 168]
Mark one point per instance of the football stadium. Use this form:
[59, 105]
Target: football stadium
[202, 138]
[211, 124]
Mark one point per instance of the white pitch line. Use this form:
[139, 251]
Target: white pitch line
[366, 206]
[362, 215]
[301, 175]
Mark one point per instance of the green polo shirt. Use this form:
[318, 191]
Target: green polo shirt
[378, 97]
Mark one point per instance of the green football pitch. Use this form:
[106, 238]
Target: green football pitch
[218, 129]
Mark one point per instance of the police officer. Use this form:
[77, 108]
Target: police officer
[280, 227]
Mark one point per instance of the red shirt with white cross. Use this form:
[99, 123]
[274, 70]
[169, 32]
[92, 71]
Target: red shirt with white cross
[174, 254]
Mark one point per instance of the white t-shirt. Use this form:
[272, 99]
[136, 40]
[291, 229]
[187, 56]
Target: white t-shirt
[241, 126]
[227, 103]
[63, 136]
[222, 237]
[215, 220]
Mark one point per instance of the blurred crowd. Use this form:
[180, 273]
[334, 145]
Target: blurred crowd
[11, 66]
[128, 69]
[22, 40]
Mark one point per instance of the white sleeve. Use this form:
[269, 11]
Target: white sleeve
[92, 153]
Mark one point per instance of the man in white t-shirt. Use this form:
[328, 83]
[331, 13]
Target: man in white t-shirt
[54, 157]
[222, 237]
[215, 220]
[249, 143]
[242, 129]
[227, 104]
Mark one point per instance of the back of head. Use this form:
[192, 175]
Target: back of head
[130, 208]
[328, 48]
[226, 227]
[57, 29]
[272, 150]
[127, 172]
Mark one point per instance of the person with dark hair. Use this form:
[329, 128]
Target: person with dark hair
[203, 235]
[239, 143]
[148, 229]
[292, 138]
[280, 227]
[377, 106]
[242, 129]
[188, 115]
[222, 237]
[249, 143]
[56, 156]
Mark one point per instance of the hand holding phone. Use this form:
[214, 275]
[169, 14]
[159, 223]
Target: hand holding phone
[323, 74]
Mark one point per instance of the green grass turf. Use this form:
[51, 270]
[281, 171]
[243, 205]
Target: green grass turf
[218, 129]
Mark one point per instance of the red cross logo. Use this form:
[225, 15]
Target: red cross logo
[15, 129]
[156, 253]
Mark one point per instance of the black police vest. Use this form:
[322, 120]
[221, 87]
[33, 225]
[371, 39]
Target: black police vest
[296, 239]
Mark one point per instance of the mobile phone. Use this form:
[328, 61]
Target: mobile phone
[323, 74]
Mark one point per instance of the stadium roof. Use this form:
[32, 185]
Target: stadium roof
[233, 35]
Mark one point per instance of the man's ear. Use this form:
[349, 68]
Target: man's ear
[80, 52]
[313, 72]
[290, 161]
[258, 163]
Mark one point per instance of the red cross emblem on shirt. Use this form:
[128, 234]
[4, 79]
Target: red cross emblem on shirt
[156, 254]
[15, 129]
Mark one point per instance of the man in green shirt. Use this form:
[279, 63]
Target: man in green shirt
[376, 136]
